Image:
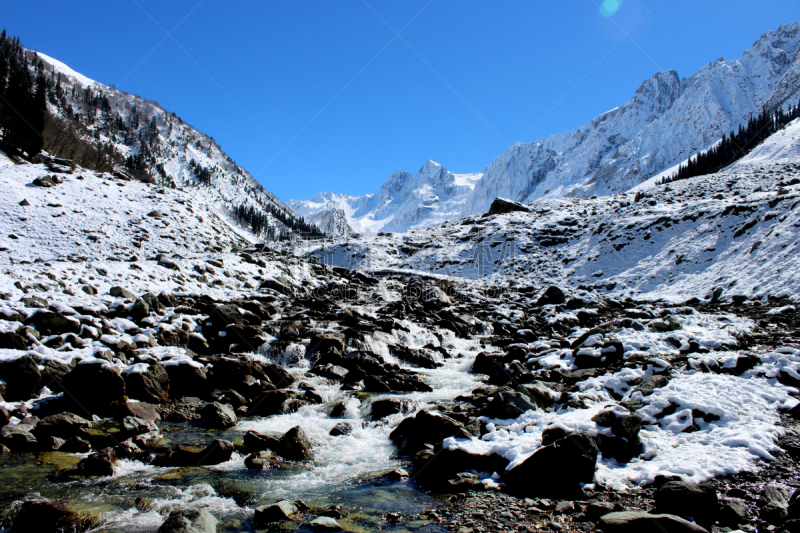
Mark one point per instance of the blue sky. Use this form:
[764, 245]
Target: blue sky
[324, 95]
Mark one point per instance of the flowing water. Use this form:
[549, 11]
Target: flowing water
[345, 471]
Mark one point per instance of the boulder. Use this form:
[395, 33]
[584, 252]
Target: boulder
[294, 445]
[62, 425]
[342, 428]
[256, 442]
[95, 386]
[687, 499]
[501, 206]
[217, 415]
[119, 292]
[189, 521]
[426, 427]
[555, 470]
[22, 378]
[624, 444]
[50, 516]
[509, 404]
[150, 385]
[97, 464]
[552, 296]
[276, 512]
[263, 460]
[18, 438]
[383, 407]
[639, 521]
[215, 453]
[186, 379]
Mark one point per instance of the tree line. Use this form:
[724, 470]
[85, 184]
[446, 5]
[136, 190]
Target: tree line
[259, 223]
[736, 145]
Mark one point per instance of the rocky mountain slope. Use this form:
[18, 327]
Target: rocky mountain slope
[405, 201]
[666, 121]
[154, 144]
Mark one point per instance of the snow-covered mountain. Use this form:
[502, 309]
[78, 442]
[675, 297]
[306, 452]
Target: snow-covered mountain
[406, 201]
[666, 121]
[154, 144]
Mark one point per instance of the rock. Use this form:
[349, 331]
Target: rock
[687, 499]
[24, 202]
[436, 298]
[639, 522]
[595, 510]
[501, 206]
[97, 464]
[323, 342]
[145, 411]
[295, 445]
[75, 445]
[552, 296]
[119, 292]
[95, 386]
[22, 378]
[218, 416]
[277, 512]
[774, 504]
[50, 516]
[426, 427]
[62, 425]
[263, 460]
[650, 383]
[186, 380]
[152, 385]
[155, 214]
[508, 405]
[271, 402]
[139, 310]
[384, 407]
[256, 442]
[624, 444]
[215, 453]
[45, 182]
[732, 514]
[671, 323]
[189, 521]
[324, 523]
[342, 428]
[555, 470]
[18, 438]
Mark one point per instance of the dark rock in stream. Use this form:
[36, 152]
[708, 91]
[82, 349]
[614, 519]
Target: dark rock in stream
[51, 516]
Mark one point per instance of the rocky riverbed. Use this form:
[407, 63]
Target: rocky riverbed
[397, 404]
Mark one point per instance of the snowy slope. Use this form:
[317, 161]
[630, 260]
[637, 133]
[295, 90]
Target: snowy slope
[736, 229]
[172, 151]
[781, 145]
[405, 201]
[666, 121]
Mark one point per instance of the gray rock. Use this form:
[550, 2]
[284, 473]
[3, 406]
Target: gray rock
[381, 408]
[189, 521]
[508, 405]
[63, 425]
[552, 296]
[218, 416]
[119, 292]
[277, 512]
[263, 460]
[640, 522]
[295, 445]
[687, 499]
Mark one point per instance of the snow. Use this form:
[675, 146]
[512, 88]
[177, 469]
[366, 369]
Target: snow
[60, 67]
[781, 145]
[406, 201]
